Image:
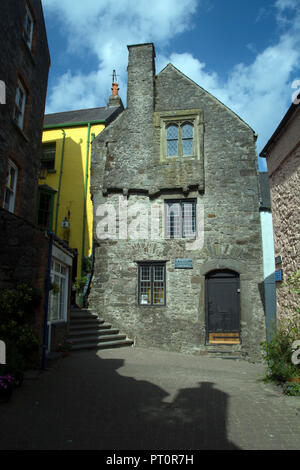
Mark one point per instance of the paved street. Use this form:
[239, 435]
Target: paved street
[132, 398]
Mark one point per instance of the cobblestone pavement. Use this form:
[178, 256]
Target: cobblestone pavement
[132, 398]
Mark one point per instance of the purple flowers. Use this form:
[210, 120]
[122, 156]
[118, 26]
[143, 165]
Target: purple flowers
[8, 379]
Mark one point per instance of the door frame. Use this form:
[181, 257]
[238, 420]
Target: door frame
[233, 275]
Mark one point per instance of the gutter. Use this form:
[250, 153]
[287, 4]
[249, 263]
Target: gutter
[60, 177]
[85, 194]
[74, 124]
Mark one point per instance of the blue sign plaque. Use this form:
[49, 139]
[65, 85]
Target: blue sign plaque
[183, 263]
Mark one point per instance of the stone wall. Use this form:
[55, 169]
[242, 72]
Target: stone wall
[285, 194]
[17, 62]
[23, 255]
[222, 177]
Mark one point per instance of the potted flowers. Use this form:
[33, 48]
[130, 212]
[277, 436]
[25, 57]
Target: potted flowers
[64, 347]
[6, 388]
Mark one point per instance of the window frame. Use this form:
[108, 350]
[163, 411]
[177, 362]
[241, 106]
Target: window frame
[167, 220]
[13, 191]
[20, 108]
[151, 264]
[180, 139]
[28, 36]
[194, 117]
[51, 194]
[48, 159]
[62, 298]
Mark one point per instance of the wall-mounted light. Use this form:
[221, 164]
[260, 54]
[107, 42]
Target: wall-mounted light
[65, 223]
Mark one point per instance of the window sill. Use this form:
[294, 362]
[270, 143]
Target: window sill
[20, 130]
[58, 322]
[153, 306]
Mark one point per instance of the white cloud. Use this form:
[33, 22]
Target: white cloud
[105, 28]
[259, 92]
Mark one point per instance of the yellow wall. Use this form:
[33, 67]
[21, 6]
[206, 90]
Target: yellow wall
[71, 199]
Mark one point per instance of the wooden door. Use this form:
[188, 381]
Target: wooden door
[223, 307]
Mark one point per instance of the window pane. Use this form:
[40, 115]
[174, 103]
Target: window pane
[187, 147]
[172, 140]
[44, 210]
[152, 290]
[173, 222]
[189, 219]
[7, 199]
[187, 131]
[145, 293]
[48, 156]
[172, 132]
[62, 299]
[158, 294]
[145, 273]
[158, 273]
[187, 139]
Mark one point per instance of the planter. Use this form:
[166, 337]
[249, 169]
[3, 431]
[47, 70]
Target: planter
[6, 390]
[295, 380]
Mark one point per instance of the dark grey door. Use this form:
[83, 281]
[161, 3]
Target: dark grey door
[222, 302]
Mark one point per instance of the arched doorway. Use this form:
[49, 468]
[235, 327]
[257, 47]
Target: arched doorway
[222, 307]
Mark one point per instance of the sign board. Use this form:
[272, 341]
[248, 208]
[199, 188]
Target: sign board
[183, 263]
[278, 275]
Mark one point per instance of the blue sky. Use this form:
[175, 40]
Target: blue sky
[246, 53]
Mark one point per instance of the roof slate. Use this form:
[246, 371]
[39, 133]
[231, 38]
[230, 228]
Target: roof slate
[83, 115]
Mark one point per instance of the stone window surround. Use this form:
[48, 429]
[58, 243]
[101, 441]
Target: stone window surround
[182, 226]
[151, 264]
[192, 116]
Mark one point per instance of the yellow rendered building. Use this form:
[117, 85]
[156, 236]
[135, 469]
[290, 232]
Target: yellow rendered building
[64, 206]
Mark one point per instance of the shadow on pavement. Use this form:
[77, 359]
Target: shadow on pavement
[84, 403]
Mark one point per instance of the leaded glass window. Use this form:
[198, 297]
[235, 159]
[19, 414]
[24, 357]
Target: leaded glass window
[172, 140]
[180, 139]
[187, 139]
[152, 283]
[180, 219]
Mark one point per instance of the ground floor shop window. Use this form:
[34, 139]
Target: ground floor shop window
[58, 300]
[152, 285]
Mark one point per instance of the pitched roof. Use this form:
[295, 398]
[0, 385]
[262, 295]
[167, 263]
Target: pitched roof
[288, 115]
[106, 114]
[169, 65]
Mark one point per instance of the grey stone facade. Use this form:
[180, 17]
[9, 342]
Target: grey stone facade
[130, 166]
[282, 153]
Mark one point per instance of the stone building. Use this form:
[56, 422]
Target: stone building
[175, 189]
[24, 247]
[282, 153]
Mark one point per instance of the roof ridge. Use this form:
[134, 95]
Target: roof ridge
[76, 110]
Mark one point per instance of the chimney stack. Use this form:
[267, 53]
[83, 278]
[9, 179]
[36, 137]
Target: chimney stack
[114, 99]
[141, 74]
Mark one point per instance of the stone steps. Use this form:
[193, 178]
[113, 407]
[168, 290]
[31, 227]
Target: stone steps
[224, 351]
[87, 331]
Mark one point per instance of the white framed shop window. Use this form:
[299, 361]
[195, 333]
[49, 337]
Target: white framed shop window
[58, 298]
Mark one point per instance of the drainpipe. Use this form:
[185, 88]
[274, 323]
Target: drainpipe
[60, 177]
[46, 301]
[85, 195]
